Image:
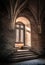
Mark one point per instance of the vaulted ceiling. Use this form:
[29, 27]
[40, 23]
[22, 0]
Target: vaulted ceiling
[17, 8]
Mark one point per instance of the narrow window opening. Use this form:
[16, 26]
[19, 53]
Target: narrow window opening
[19, 35]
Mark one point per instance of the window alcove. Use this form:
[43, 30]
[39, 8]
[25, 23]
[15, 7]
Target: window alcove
[22, 33]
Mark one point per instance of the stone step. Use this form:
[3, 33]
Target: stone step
[18, 56]
[33, 56]
[21, 55]
[22, 52]
[22, 58]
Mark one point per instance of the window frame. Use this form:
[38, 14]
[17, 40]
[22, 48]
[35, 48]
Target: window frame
[19, 28]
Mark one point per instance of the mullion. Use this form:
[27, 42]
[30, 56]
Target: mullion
[23, 34]
[20, 28]
[19, 32]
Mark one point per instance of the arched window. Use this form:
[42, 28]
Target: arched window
[19, 33]
[27, 24]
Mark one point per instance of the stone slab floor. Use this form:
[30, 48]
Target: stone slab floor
[28, 62]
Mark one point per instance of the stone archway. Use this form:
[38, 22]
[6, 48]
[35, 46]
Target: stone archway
[26, 22]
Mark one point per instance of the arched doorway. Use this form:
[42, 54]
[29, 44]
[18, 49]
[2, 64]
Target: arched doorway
[26, 33]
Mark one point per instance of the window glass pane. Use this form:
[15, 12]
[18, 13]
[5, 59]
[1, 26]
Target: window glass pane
[17, 25]
[22, 26]
[22, 35]
[17, 35]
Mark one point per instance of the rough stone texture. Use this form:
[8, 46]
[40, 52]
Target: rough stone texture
[7, 36]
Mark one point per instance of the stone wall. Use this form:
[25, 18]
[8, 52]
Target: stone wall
[7, 38]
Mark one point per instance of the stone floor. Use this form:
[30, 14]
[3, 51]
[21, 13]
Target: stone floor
[28, 62]
[32, 62]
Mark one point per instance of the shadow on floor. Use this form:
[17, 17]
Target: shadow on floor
[28, 62]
